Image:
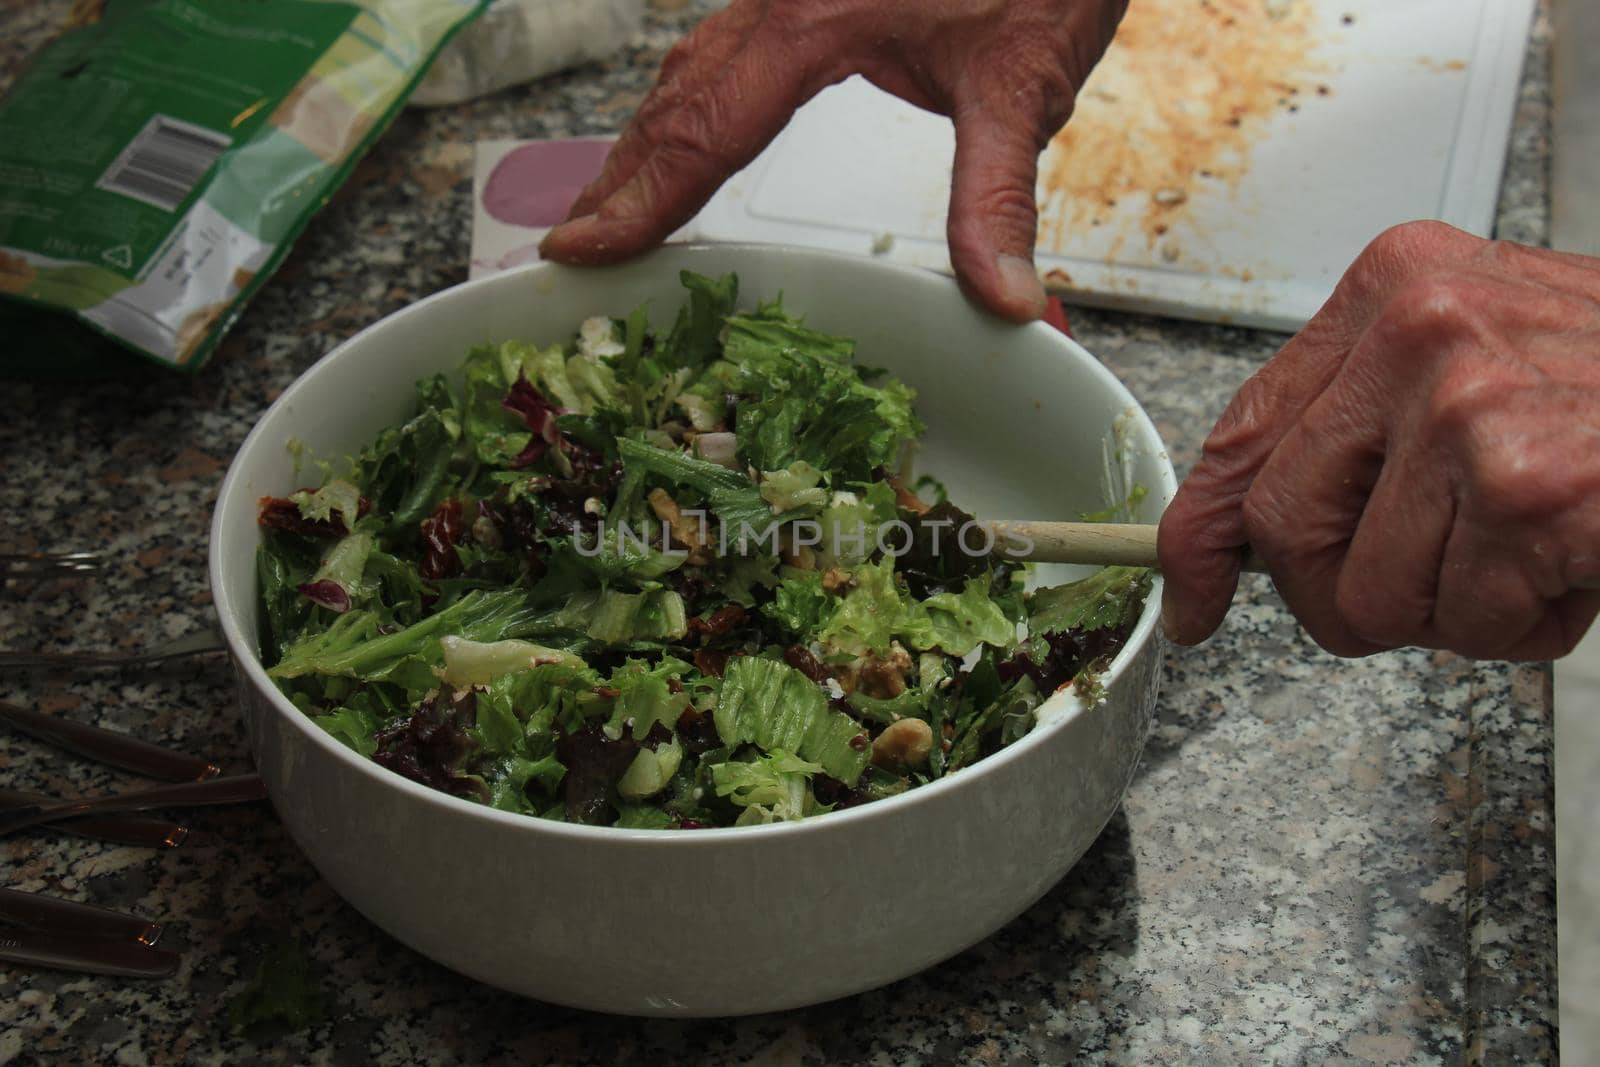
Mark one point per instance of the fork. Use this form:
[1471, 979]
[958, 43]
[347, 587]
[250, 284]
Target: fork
[233, 790]
[53, 913]
[45, 931]
[137, 830]
[108, 746]
[85, 953]
[43, 564]
[201, 642]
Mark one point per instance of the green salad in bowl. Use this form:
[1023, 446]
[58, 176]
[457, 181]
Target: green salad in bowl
[665, 580]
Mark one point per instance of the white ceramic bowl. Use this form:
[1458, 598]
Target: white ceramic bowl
[728, 921]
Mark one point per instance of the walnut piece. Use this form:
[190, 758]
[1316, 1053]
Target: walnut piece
[685, 530]
[904, 745]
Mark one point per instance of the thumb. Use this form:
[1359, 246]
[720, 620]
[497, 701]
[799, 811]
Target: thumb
[1204, 533]
[993, 214]
[680, 150]
[1201, 544]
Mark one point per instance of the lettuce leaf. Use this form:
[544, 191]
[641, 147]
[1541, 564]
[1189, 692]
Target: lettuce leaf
[408, 469]
[734, 498]
[650, 771]
[693, 341]
[911, 704]
[776, 707]
[1008, 713]
[800, 605]
[645, 696]
[771, 788]
[509, 779]
[357, 646]
[957, 623]
[851, 523]
[338, 583]
[738, 577]
[645, 816]
[283, 564]
[806, 402]
[619, 617]
[867, 618]
[353, 726]
[797, 486]
[1111, 597]
[537, 701]
[876, 610]
[337, 497]
[578, 385]
[495, 435]
[613, 557]
[468, 662]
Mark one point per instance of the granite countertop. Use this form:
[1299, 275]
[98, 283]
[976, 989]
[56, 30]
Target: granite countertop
[1320, 861]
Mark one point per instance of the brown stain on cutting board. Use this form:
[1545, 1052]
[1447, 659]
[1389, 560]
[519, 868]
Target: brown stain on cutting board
[1173, 110]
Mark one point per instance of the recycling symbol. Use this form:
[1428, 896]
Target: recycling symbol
[120, 256]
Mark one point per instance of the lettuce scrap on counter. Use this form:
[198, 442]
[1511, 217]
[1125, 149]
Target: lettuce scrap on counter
[584, 582]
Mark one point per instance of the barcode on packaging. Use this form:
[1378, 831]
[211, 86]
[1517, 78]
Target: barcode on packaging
[164, 162]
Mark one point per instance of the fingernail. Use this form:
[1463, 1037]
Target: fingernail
[1169, 617]
[562, 229]
[1020, 284]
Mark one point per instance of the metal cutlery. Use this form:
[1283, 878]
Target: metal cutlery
[45, 564]
[199, 643]
[108, 746]
[52, 913]
[59, 950]
[238, 788]
[140, 831]
[46, 931]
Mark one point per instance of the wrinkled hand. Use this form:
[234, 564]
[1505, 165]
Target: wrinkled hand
[1005, 71]
[1420, 465]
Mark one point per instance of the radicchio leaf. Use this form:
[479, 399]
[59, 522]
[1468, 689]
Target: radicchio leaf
[433, 744]
[1069, 652]
[440, 533]
[594, 762]
[540, 417]
[329, 593]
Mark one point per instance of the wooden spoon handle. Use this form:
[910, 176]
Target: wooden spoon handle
[1099, 543]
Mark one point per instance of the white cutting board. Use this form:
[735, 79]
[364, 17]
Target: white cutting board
[1220, 171]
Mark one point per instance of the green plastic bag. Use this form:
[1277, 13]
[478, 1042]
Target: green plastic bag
[157, 163]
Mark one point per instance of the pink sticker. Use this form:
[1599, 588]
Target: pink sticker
[536, 184]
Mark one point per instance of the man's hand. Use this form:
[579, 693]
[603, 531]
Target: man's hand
[1005, 71]
[1420, 465]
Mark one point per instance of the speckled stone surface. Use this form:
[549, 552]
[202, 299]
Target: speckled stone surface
[1321, 862]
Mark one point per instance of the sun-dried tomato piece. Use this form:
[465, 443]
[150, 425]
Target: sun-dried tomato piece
[697, 731]
[800, 658]
[281, 513]
[711, 661]
[719, 622]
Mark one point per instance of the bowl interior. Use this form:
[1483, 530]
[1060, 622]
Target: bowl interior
[1017, 416]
